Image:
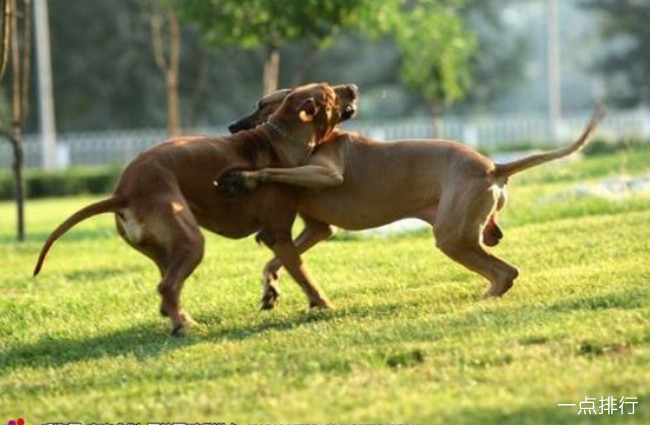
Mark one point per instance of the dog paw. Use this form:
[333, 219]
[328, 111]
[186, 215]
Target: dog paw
[323, 304]
[496, 291]
[179, 330]
[236, 183]
[270, 298]
[180, 325]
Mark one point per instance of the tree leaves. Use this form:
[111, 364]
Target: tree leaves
[624, 26]
[437, 50]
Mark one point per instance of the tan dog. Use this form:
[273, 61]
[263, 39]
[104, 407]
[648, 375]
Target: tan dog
[166, 193]
[365, 184]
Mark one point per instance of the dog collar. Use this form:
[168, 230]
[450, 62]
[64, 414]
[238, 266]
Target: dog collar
[278, 130]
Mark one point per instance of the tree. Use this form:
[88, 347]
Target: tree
[497, 65]
[168, 65]
[6, 35]
[270, 24]
[16, 45]
[627, 61]
[436, 54]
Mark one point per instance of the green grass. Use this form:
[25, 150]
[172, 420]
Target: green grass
[410, 342]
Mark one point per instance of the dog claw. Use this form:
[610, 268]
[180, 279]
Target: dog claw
[178, 330]
[183, 321]
[266, 306]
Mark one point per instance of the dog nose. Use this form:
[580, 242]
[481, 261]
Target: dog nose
[233, 127]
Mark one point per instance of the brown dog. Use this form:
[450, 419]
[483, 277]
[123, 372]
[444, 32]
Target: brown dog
[166, 193]
[365, 184]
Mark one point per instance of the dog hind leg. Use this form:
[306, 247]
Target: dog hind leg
[167, 232]
[492, 233]
[458, 236]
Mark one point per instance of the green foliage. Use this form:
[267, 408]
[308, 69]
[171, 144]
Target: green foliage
[594, 148]
[103, 69]
[220, 84]
[625, 23]
[254, 23]
[606, 147]
[632, 160]
[74, 181]
[497, 64]
[411, 341]
[437, 49]
[92, 92]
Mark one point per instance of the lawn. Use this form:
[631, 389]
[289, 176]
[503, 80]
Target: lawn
[411, 340]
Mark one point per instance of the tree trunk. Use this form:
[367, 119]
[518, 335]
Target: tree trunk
[199, 88]
[6, 34]
[19, 184]
[19, 92]
[168, 68]
[271, 70]
[173, 120]
[436, 111]
[305, 66]
[172, 74]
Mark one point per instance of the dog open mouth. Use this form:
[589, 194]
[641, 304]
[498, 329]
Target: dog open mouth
[349, 111]
[348, 95]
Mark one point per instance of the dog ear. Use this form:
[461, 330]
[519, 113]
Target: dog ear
[307, 110]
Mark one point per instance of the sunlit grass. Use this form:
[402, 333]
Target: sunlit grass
[411, 340]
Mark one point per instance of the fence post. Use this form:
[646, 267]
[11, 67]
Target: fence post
[645, 122]
[470, 134]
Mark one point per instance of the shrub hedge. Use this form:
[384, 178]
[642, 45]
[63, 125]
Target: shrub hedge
[595, 147]
[73, 181]
[100, 180]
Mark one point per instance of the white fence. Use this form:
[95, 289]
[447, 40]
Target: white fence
[118, 147]
[490, 132]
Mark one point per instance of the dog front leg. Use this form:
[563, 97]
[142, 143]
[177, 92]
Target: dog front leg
[288, 256]
[309, 176]
[313, 233]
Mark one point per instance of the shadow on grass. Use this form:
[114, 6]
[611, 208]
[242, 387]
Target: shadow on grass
[141, 341]
[149, 339]
[99, 273]
[629, 299]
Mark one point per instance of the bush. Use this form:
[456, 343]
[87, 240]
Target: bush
[603, 147]
[520, 146]
[595, 147]
[74, 181]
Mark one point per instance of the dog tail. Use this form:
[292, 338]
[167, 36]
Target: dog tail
[107, 205]
[503, 171]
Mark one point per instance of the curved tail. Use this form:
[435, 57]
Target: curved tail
[506, 170]
[107, 205]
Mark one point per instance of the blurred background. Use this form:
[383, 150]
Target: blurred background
[88, 84]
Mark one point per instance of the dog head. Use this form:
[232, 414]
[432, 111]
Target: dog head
[263, 110]
[346, 96]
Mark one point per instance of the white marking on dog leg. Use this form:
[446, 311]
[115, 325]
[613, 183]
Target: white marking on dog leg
[132, 227]
[178, 207]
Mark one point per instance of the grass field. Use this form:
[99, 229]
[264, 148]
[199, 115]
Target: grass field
[410, 342]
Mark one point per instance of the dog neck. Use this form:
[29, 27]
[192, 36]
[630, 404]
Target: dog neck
[254, 147]
[291, 151]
